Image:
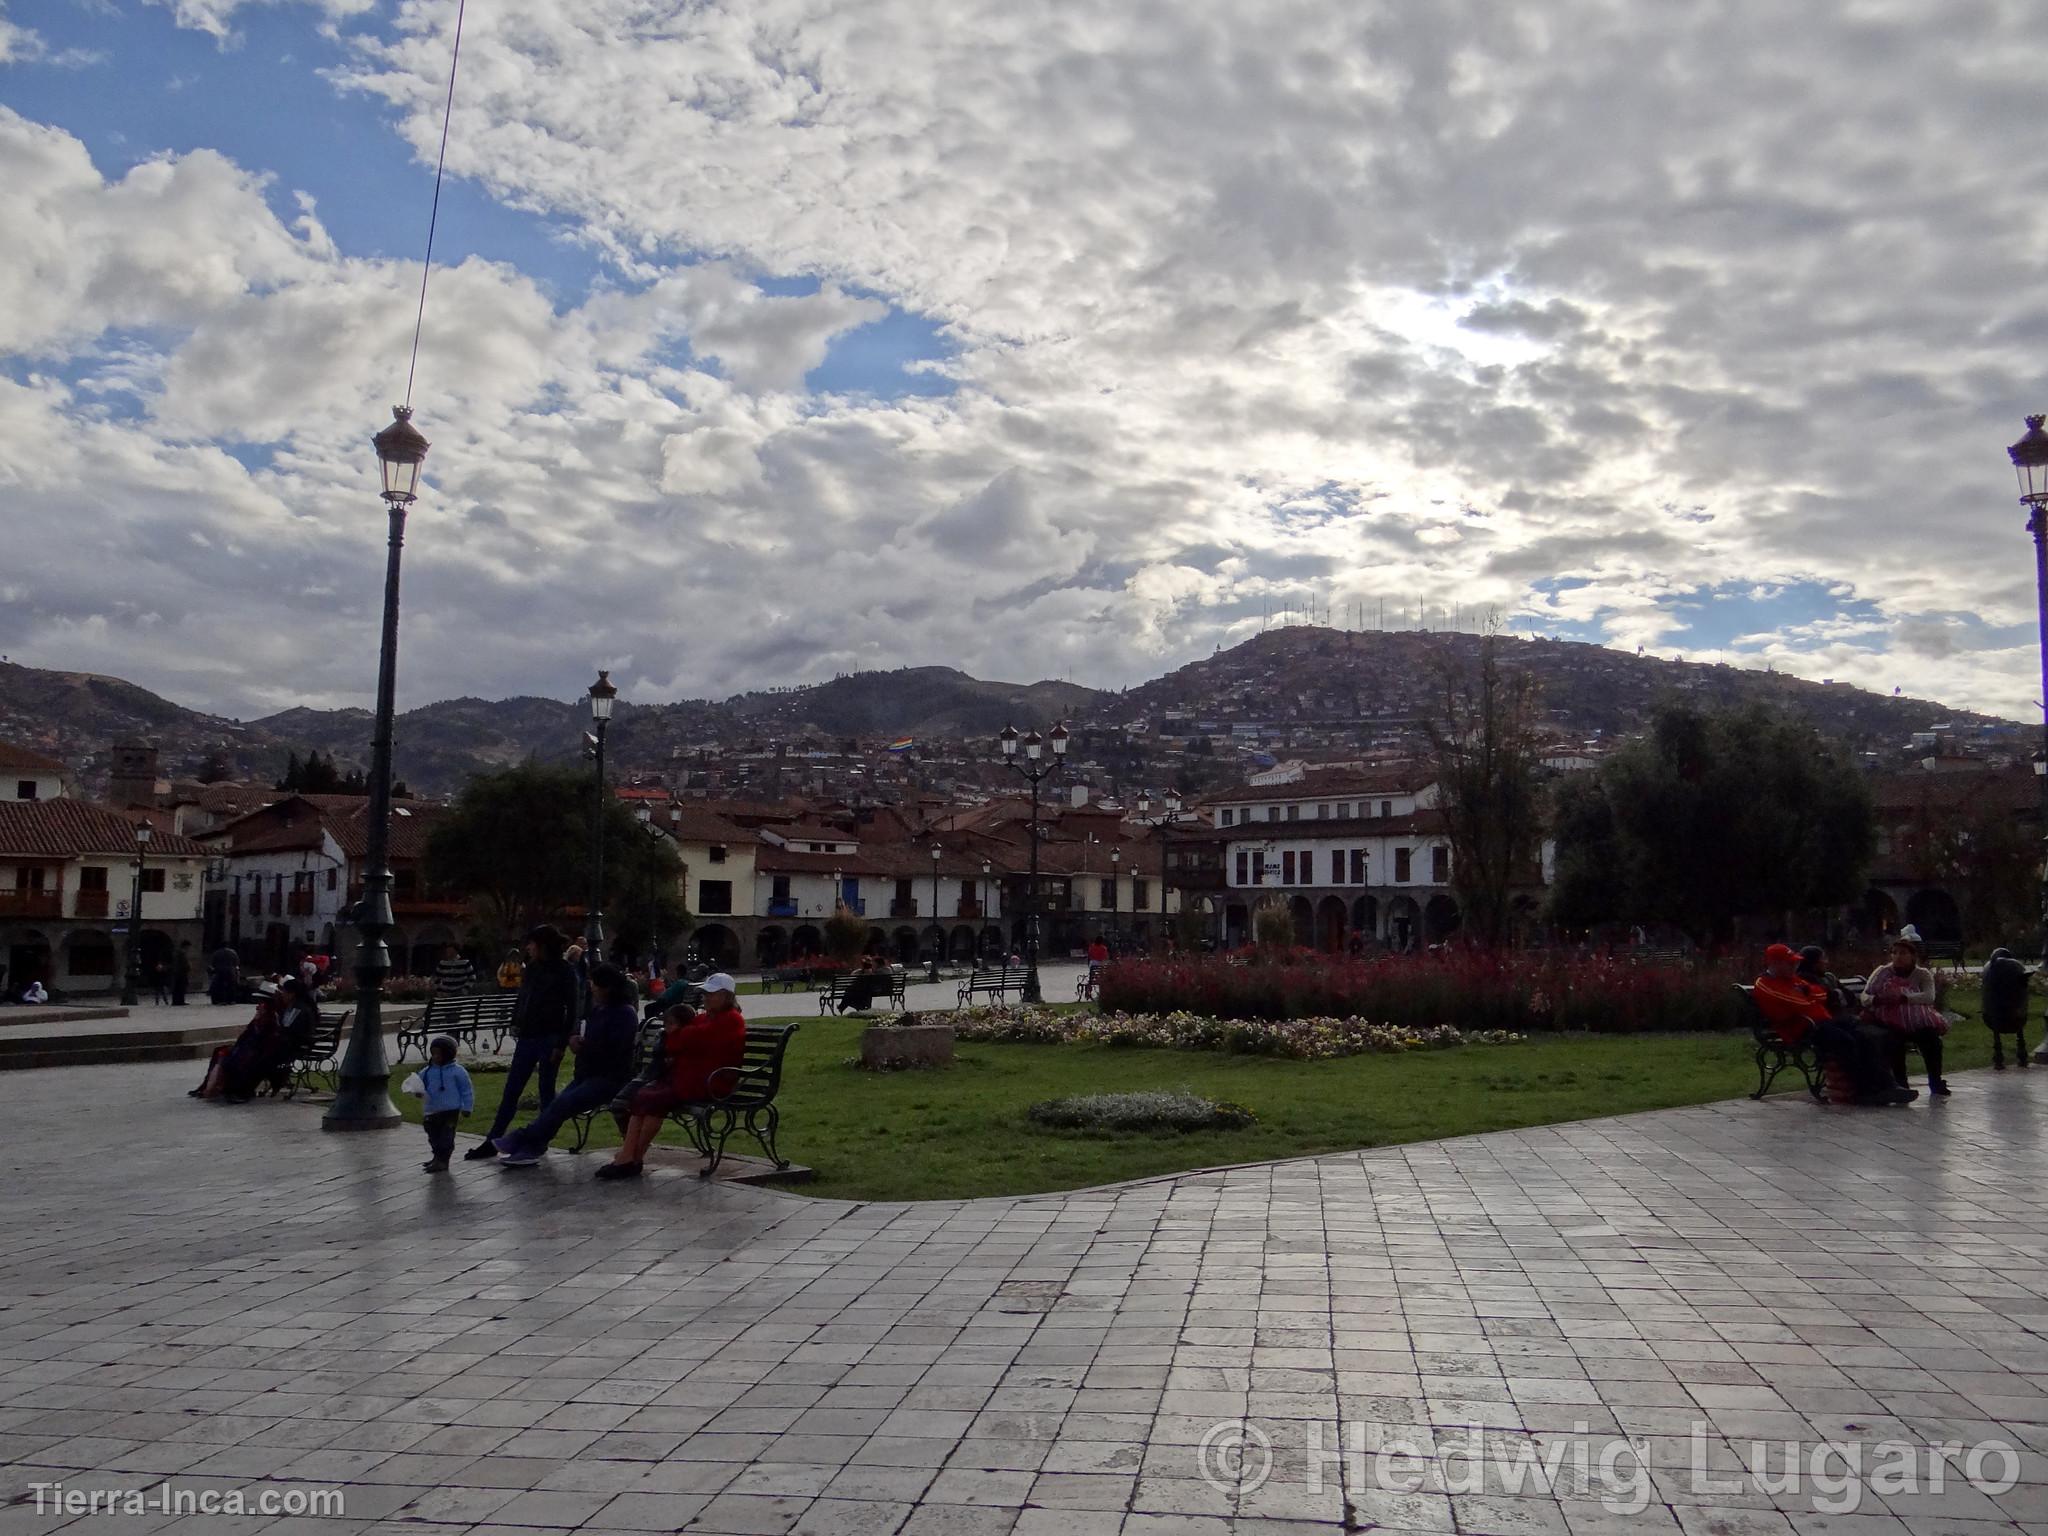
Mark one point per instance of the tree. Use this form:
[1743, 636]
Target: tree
[1488, 761]
[1983, 852]
[1710, 817]
[1273, 926]
[846, 935]
[517, 845]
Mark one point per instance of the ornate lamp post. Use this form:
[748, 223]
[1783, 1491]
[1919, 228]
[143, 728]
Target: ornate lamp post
[1170, 806]
[1116, 861]
[131, 969]
[602, 693]
[932, 970]
[2030, 462]
[981, 941]
[362, 1098]
[1036, 768]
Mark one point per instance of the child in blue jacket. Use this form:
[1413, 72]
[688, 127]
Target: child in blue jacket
[447, 1097]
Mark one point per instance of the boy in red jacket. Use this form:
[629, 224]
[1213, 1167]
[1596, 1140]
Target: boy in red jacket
[695, 1046]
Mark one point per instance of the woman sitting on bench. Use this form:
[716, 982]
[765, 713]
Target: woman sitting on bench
[694, 1046]
[1795, 1007]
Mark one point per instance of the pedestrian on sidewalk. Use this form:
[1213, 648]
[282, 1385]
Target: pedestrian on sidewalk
[454, 976]
[543, 1017]
[181, 973]
[446, 1095]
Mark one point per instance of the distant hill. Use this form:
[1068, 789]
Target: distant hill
[1343, 687]
[1383, 679]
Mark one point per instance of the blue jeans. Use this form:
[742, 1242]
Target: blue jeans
[527, 1055]
[584, 1093]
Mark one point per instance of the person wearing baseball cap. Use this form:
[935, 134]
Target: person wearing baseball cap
[695, 1046]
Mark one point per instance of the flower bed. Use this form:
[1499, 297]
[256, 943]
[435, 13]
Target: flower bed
[1300, 1039]
[1179, 1110]
[1520, 991]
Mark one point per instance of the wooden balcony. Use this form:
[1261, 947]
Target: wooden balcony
[31, 903]
[89, 904]
[299, 903]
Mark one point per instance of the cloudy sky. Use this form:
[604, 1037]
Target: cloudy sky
[1041, 337]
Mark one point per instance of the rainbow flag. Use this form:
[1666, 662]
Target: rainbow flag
[902, 745]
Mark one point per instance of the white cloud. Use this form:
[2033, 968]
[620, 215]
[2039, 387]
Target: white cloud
[1375, 301]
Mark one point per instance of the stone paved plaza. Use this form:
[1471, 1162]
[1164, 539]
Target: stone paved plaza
[226, 1298]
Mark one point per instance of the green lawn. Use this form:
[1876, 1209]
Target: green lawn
[962, 1132]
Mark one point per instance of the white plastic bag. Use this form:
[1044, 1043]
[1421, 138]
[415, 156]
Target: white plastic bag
[413, 1086]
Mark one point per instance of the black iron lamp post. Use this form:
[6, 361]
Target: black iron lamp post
[602, 693]
[2030, 461]
[131, 978]
[1035, 767]
[939, 939]
[1170, 805]
[1116, 862]
[981, 941]
[362, 1097]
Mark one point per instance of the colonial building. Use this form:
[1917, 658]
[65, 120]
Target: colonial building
[1348, 852]
[26, 775]
[67, 882]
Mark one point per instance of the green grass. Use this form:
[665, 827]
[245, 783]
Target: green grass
[962, 1132]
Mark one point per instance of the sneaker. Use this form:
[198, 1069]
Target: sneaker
[522, 1159]
[619, 1171]
[504, 1143]
[1938, 1088]
[480, 1152]
[434, 1165]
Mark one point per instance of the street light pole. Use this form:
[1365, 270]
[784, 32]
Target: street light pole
[1116, 860]
[1035, 768]
[362, 1094]
[932, 971]
[602, 693]
[981, 938]
[131, 970]
[2030, 462]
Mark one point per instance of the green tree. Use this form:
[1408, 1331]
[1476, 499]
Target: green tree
[846, 935]
[1710, 817]
[1488, 761]
[517, 845]
[1273, 926]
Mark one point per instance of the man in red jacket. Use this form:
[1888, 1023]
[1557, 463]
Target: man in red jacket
[696, 1046]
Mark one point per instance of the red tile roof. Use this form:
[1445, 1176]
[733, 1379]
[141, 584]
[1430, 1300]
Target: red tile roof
[15, 759]
[64, 829]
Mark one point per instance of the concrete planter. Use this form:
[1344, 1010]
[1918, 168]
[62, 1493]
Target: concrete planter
[893, 1047]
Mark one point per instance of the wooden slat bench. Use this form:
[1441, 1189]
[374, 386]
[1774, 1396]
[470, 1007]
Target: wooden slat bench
[994, 983]
[464, 1017]
[746, 1100]
[887, 984]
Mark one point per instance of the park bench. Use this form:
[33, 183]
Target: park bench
[1087, 984]
[994, 982]
[746, 1096]
[320, 1056]
[678, 992]
[791, 977]
[1773, 1055]
[465, 1017]
[884, 984]
[1940, 950]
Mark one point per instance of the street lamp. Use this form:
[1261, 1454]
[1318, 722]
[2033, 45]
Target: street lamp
[362, 1092]
[602, 693]
[981, 941]
[2030, 462]
[132, 970]
[1116, 860]
[1035, 768]
[1171, 806]
[932, 971]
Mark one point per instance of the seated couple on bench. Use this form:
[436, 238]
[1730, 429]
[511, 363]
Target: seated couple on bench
[1803, 1004]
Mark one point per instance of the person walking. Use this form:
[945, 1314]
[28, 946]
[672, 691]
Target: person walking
[446, 1095]
[543, 1018]
[181, 972]
[454, 976]
[224, 973]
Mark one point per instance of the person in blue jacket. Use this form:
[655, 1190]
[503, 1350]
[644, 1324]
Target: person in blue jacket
[604, 1050]
[446, 1096]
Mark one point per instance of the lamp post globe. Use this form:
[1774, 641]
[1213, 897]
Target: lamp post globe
[602, 695]
[362, 1093]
